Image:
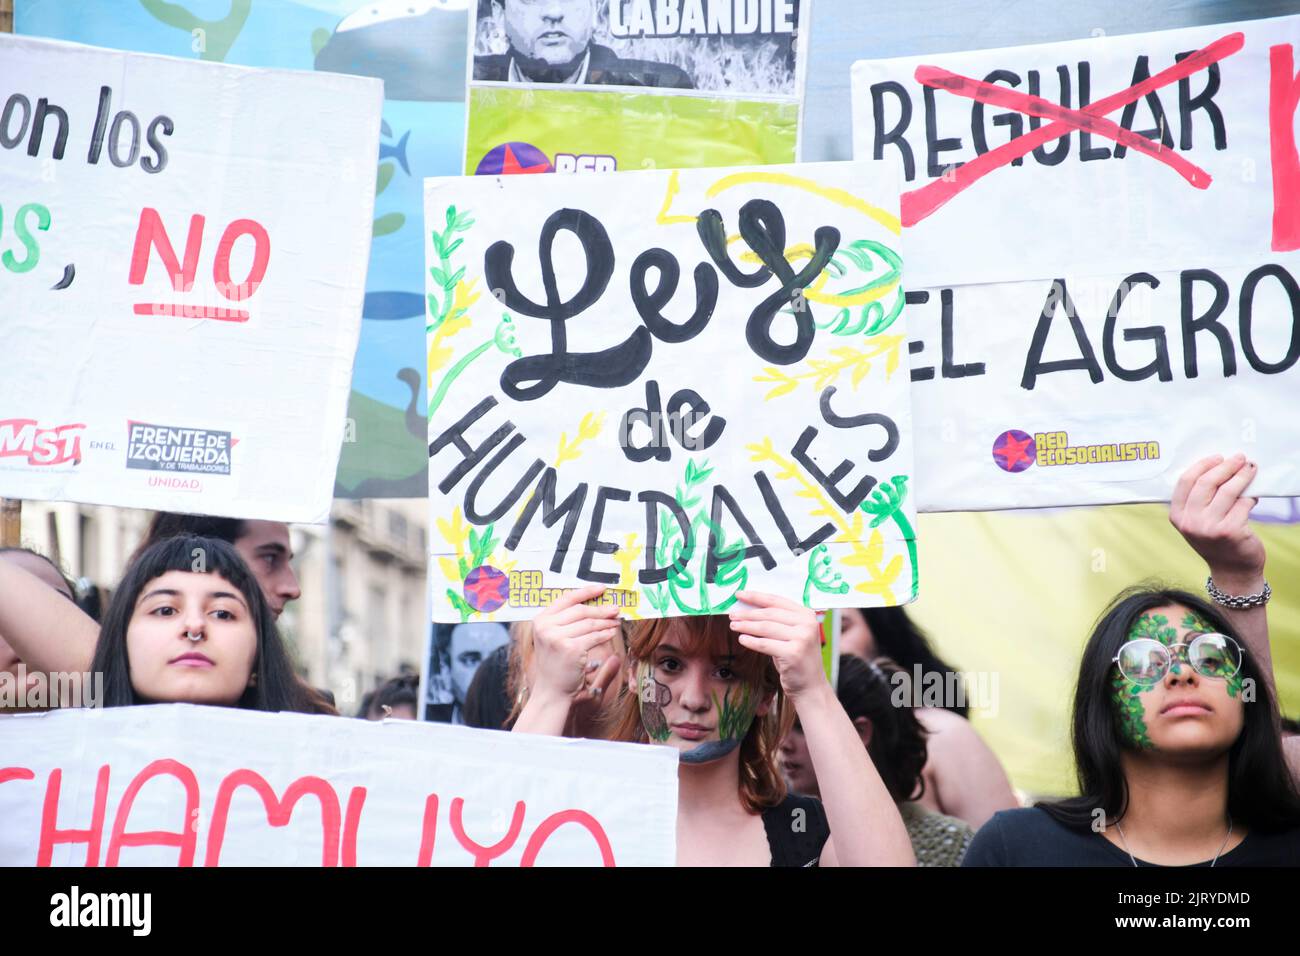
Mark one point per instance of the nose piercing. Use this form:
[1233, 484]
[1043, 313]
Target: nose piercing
[194, 637]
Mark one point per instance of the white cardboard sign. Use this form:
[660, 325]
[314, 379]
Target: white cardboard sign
[179, 784]
[182, 265]
[1102, 241]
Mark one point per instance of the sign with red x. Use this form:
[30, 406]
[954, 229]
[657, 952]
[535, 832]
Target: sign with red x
[1103, 246]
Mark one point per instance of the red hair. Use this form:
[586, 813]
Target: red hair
[761, 784]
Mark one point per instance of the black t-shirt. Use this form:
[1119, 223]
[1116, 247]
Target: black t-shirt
[1031, 837]
[796, 838]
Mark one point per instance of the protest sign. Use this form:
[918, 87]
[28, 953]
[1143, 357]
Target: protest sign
[747, 431]
[1102, 242]
[179, 784]
[418, 48]
[599, 85]
[184, 304]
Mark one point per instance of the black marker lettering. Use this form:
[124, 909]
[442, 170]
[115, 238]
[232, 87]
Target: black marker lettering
[1034, 364]
[1158, 366]
[1209, 321]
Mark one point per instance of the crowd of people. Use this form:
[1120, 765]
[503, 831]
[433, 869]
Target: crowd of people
[1181, 751]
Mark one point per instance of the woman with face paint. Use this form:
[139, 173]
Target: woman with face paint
[1176, 735]
[722, 691]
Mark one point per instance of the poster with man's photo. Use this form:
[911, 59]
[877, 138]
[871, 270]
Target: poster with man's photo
[574, 86]
[726, 46]
[453, 656]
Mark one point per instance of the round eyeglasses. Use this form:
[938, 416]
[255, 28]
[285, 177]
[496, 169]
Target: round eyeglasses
[1146, 661]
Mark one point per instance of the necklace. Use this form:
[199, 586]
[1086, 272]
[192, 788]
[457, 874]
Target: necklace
[1212, 862]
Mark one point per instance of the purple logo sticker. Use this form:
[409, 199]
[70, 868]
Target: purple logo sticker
[486, 588]
[1014, 451]
[510, 158]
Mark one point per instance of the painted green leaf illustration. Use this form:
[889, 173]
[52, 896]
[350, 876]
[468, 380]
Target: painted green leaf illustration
[385, 225]
[460, 604]
[216, 36]
[319, 37]
[687, 588]
[1154, 626]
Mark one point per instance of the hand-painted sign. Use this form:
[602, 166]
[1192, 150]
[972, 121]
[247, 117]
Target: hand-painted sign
[171, 309]
[182, 785]
[1102, 246]
[678, 384]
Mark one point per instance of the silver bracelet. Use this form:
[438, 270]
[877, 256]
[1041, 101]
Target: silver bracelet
[1237, 603]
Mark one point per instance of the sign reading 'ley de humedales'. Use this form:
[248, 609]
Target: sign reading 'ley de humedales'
[678, 384]
[178, 334]
[1104, 260]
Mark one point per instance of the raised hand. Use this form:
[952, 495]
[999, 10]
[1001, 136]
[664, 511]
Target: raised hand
[788, 633]
[564, 635]
[1210, 511]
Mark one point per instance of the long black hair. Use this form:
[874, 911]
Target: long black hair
[897, 746]
[276, 688]
[897, 637]
[1261, 794]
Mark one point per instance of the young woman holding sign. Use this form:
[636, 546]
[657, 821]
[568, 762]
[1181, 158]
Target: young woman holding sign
[1176, 736]
[723, 690]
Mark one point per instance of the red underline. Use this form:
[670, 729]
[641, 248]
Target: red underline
[191, 312]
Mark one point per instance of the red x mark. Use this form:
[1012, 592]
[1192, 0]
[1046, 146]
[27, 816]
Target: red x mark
[921, 202]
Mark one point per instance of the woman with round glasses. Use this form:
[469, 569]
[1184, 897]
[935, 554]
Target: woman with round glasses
[1176, 735]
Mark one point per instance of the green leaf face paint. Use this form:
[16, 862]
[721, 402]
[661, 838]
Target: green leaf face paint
[1126, 695]
[1154, 626]
[734, 714]
[734, 717]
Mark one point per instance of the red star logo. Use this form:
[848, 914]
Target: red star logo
[487, 592]
[510, 165]
[1013, 451]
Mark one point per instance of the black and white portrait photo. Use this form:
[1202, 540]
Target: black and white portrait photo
[455, 652]
[735, 46]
